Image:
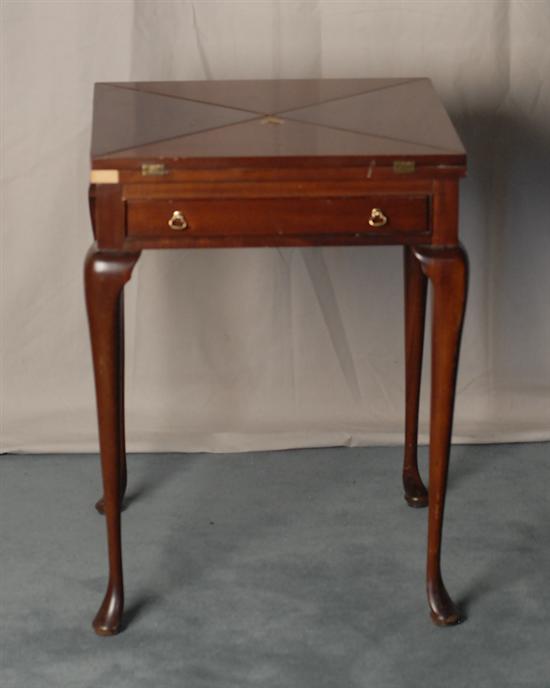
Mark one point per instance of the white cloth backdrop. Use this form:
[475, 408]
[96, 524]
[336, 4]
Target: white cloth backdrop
[238, 350]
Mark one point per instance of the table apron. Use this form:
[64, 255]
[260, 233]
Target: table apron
[161, 215]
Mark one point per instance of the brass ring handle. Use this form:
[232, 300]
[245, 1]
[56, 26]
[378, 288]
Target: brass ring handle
[177, 221]
[377, 218]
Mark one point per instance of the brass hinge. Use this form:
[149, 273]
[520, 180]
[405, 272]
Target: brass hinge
[404, 166]
[153, 170]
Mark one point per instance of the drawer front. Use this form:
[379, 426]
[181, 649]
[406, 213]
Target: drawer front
[378, 215]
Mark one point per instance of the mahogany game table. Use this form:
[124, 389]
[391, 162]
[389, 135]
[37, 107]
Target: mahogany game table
[315, 162]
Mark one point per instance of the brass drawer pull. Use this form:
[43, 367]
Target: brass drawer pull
[177, 221]
[377, 218]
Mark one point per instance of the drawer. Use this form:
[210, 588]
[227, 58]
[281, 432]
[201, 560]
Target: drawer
[379, 215]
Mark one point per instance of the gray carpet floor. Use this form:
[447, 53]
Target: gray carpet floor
[292, 569]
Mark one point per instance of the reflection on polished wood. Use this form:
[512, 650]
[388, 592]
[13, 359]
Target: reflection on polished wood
[358, 162]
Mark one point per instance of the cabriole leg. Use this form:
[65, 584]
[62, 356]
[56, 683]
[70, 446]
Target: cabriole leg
[105, 274]
[447, 270]
[416, 494]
